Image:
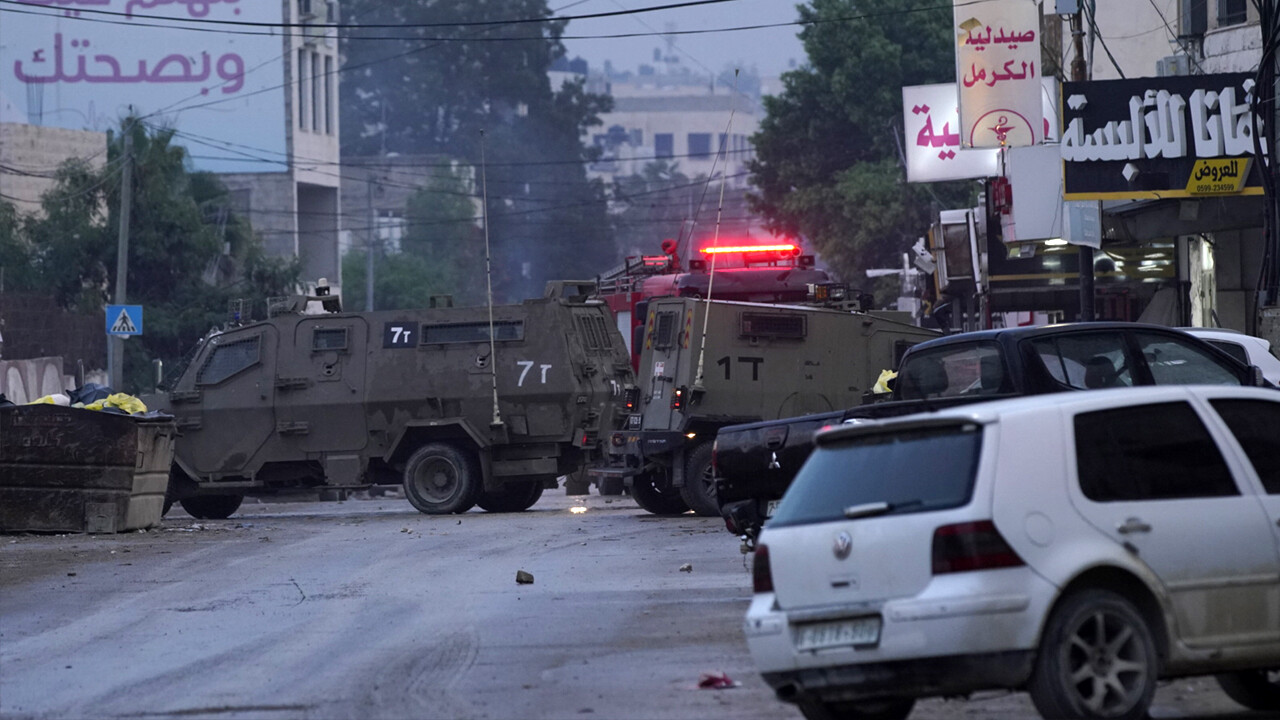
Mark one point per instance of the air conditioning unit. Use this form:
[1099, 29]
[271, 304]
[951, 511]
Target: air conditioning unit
[1173, 65]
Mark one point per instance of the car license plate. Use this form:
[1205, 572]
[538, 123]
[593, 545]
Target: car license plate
[857, 632]
[770, 508]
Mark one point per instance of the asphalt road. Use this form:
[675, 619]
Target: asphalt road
[368, 609]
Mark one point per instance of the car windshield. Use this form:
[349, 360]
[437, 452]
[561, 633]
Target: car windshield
[910, 471]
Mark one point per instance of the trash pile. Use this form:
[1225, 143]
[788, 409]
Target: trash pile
[92, 396]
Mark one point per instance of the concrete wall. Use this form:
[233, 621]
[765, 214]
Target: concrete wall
[34, 154]
[269, 202]
[318, 234]
[22, 381]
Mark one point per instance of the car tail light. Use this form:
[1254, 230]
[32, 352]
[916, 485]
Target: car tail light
[678, 398]
[971, 546]
[761, 573]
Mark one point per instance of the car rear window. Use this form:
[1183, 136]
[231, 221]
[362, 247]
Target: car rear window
[956, 369]
[913, 471]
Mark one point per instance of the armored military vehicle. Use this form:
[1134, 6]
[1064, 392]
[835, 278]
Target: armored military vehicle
[463, 406]
[753, 360]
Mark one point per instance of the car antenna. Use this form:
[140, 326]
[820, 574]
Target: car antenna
[488, 277]
[715, 238]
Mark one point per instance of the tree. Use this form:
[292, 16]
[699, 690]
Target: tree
[474, 91]
[179, 226]
[827, 152]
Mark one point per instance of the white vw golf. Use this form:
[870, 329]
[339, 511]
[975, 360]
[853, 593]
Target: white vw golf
[1080, 547]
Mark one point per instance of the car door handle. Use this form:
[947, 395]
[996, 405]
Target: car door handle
[1132, 525]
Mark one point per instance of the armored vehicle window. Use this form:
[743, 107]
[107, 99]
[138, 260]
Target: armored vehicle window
[665, 335]
[594, 332]
[329, 339]
[227, 360]
[773, 325]
[472, 332]
[1149, 452]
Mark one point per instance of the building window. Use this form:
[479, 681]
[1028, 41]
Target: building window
[664, 145]
[302, 89]
[1232, 12]
[317, 99]
[637, 137]
[330, 98]
[699, 144]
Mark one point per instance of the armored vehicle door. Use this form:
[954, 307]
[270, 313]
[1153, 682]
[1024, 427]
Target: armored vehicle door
[667, 339]
[228, 413]
[320, 386]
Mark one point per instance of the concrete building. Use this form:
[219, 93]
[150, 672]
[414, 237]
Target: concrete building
[376, 192]
[30, 155]
[668, 112]
[296, 212]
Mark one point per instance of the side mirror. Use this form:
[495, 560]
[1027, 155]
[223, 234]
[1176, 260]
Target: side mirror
[1256, 378]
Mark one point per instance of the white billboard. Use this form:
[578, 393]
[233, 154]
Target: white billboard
[931, 121]
[997, 54]
[85, 64]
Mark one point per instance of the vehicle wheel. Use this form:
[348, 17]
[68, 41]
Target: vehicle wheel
[513, 497]
[866, 710]
[1254, 689]
[611, 486]
[440, 479]
[699, 490]
[211, 507]
[1096, 660]
[653, 492]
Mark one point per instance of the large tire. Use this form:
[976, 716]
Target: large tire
[653, 492]
[440, 479]
[699, 491]
[513, 497]
[1254, 689]
[1096, 660]
[211, 507]
[866, 710]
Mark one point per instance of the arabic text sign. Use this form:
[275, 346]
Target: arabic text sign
[58, 68]
[997, 54]
[1142, 138]
[931, 119]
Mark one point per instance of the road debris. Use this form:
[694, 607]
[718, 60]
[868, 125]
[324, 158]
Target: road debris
[716, 681]
[523, 578]
[687, 567]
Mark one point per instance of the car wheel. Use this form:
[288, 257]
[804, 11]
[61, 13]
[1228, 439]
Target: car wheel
[440, 479]
[653, 492]
[513, 497]
[699, 491]
[1096, 660]
[1254, 689]
[865, 710]
[211, 507]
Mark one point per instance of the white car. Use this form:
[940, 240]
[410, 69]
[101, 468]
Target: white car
[1247, 349]
[1078, 546]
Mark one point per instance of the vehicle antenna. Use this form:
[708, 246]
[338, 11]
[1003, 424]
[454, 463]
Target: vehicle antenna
[715, 238]
[488, 277]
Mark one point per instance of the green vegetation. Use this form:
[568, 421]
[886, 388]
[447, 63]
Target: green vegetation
[827, 156]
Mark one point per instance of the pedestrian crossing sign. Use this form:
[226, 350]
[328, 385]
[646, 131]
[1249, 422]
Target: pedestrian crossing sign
[124, 320]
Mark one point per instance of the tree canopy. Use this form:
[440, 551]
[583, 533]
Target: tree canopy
[189, 254]
[828, 152]
[481, 93]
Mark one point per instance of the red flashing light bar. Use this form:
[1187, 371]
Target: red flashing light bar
[750, 248]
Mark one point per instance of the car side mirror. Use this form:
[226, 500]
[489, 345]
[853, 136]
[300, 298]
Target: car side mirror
[1256, 378]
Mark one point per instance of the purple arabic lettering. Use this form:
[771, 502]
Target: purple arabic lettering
[235, 76]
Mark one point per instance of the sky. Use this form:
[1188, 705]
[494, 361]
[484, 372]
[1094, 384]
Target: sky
[772, 51]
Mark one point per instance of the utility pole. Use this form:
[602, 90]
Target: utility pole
[115, 343]
[1080, 73]
[373, 229]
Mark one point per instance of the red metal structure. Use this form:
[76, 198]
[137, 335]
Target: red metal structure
[746, 271]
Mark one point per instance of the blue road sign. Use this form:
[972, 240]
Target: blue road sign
[124, 319]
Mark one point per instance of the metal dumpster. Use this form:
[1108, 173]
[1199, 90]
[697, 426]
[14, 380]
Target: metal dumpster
[65, 469]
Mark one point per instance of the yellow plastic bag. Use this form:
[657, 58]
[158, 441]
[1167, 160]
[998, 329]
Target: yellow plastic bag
[122, 401]
[882, 382]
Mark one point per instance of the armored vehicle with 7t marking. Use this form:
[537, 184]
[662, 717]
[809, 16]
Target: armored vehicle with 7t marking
[463, 406]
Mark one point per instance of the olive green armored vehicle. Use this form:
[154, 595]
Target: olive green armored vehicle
[462, 406]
